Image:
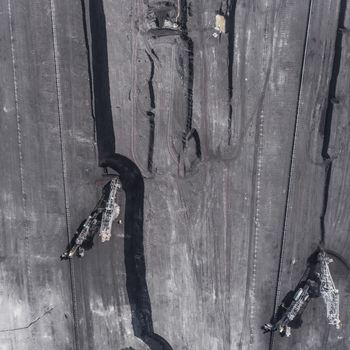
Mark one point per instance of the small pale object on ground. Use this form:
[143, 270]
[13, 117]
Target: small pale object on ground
[220, 24]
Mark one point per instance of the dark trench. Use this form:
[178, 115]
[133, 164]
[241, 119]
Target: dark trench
[190, 132]
[132, 183]
[231, 11]
[189, 43]
[151, 115]
[326, 121]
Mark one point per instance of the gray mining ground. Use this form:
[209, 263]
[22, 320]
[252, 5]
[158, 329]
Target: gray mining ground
[233, 151]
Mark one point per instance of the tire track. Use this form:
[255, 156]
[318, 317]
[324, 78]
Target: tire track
[64, 164]
[245, 120]
[89, 63]
[255, 200]
[21, 167]
[259, 158]
[246, 298]
[134, 45]
[204, 106]
[291, 176]
[171, 147]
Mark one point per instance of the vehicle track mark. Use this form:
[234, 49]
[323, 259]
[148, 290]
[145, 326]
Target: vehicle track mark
[255, 199]
[204, 106]
[327, 122]
[171, 147]
[64, 163]
[90, 69]
[259, 168]
[247, 286]
[134, 45]
[228, 255]
[245, 120]
[31, 323]
[20, 153]
[291, 174]
[339, 209]
[169, 116]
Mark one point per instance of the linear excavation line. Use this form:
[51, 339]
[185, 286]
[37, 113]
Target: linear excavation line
[63, 163]
[291, 173]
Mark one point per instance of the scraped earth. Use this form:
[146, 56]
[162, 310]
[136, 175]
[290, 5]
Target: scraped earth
[223, 142]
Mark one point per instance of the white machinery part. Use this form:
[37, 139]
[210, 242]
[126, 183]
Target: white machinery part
[328, 291]
[298, 304]
[111, 212]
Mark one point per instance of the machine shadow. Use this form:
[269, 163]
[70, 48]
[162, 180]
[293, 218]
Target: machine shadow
[130, 177]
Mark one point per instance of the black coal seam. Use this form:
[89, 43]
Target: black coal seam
[183, 15]
[190, 72]
[231, 12]
[151, 116]
[154, 54]
[150, 81]
[151, 141]
[328, 171]
[283, 237]
[326, 127]
[190, 80]
[132, 182]
[197, 140]
[326, 124]
[189, 43]
[136, 284]
[101, 89]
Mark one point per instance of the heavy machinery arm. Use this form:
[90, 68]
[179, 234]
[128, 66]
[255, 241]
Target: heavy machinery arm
[328, 291]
